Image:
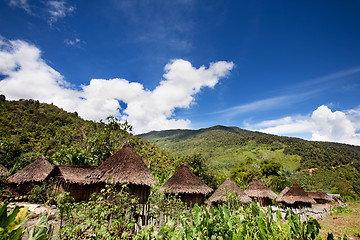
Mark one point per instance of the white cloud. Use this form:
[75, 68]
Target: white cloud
[73, 42]
[50, 10]
[322, 124]
[28, 76]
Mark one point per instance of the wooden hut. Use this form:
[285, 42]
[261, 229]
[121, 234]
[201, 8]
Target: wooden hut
[296, 197]
[33, 174]
[187, 185]
[124, 167]
[320, 197]
[3, 171]
[72, 179]
[260, 193]
[219, 196]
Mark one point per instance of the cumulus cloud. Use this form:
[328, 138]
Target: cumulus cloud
[27, 75]
[323, 125]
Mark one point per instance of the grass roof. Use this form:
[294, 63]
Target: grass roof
[185, 181]
[74, 173]
[124, 166]
[295, 194]
[36, 171]
[258, 190]
[319, 195]
[228, 186]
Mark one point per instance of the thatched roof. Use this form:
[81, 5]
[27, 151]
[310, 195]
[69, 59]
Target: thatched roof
[295, 194]
[3, 171]
[124, 166]
[220, 194]
[258, 190]
[74, 173]
[36, 171]
[282, 193]
[319, 195]
[185, 181]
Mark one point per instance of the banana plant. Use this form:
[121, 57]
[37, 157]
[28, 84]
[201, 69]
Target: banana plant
[10, 223]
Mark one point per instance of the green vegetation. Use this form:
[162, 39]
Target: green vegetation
[231, 151]
[30, 129]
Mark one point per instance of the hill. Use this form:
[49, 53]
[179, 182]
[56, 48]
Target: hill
[331, 167]
[29, 129]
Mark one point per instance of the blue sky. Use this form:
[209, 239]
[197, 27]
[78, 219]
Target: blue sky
[283, 67]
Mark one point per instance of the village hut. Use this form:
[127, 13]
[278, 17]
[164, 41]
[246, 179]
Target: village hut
[187, 185]
[260, 193]
[296, 197]
[219, 196]
[72, 179]
[124, 167]
[33, 174]
[320, 197]
[3, 171]
[282, 193]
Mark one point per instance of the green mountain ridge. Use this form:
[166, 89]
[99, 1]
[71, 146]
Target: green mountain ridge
[228, 149]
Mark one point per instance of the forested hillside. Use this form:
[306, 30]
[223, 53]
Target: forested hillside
[277, 160]
[29, 129]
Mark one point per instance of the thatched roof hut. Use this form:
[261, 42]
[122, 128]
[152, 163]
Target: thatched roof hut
[219, 196]
[259, 192]
[73, 179]
[34, 173]
[3, 171]
[296, 197]
[185, 183]
[320, 197]
[125, 167]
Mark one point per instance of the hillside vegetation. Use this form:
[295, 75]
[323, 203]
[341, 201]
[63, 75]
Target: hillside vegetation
[29, 129]
[243, 154]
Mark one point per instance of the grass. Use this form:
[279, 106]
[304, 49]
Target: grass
[343, 223]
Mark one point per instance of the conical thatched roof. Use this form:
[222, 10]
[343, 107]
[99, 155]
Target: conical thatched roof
[3, 171]
[74, 173]
[185, 181]
[258, 190]
[36, 171]
[124, 166]
[295, 194]
[319, 195]
[220, 194]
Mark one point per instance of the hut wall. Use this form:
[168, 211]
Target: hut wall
[262, 201]
[191, 199]
[23, 188]
[141, 192]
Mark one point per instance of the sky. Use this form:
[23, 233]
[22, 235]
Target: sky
[290, 68]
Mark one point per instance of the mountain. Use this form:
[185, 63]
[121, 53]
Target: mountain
[332, 167]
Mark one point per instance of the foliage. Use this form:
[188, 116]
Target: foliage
[10, 224]
[340, 209]
[111, 214]
[246, 222]
[41, 193]
[40, 230]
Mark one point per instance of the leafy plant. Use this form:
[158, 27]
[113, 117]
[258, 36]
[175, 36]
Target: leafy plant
[10, 224]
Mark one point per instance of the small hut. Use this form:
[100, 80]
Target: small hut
[260, 193]
[320, 197]
[3, 171]
[296, 197]
[72, 179]
[219, 196]
[33, 174]
[187, 185]
[124, 167]
[283, 192]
